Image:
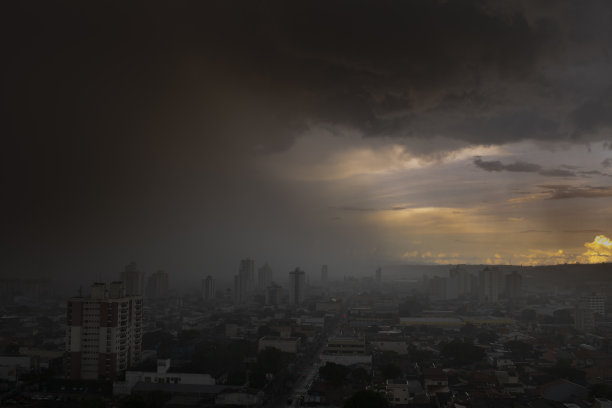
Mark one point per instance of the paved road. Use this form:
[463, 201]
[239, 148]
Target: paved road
[311, 371]
[308, 369]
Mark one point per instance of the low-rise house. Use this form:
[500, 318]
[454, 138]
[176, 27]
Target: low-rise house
[435, 380]
[402, 392]
[398, 346]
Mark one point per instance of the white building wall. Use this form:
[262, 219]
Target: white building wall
[347, 359]
[134, 377]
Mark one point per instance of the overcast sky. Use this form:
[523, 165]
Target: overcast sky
[189, 135]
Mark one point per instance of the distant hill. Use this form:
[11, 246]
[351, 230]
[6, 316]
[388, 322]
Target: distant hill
[559, 275]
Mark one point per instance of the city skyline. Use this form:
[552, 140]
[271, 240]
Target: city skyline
[188, 137]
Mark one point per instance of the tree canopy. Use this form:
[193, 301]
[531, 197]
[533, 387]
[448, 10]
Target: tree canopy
[334, 373]
[270, 360]
[462, 353]
[391, 371]
[520, 350]
[367, 399]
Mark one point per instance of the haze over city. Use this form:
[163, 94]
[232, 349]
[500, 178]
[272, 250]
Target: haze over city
[291, 204]
[189, 136]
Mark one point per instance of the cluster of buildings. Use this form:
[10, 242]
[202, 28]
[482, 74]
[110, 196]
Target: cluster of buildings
[134, 280]
[490, 284]
[529, 347]
[246, 287]
[249, 287]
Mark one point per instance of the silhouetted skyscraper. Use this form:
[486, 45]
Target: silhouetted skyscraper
[264, 276]
[157, 285]
[245, 280]
[324, 275]
[273, 294]
[297, 281]
[133, 280]
[489, 283]
[208, 288]
[514, 282]
[459, 282]
[247, 274]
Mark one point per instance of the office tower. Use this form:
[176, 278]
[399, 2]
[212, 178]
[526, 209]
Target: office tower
[378, 275]
[247, 274]
[324, 275]
[104, 335]
[264, 276]
[514, 282]
[133, 280]
[157, 285]
[208, 288]
[244, 281]
[273, 294]
[297, 281]
[489, 284]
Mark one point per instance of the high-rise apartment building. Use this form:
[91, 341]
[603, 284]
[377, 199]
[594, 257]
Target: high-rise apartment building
[297, 282]
[273, 294]
[595, 303]
[437, 288]
[244, 282]
[133, 280]
[104, 335]
[324, 275]
[584, 319]
[208, 288]
[459, 282]
[489, 284]
[514, 284]
[264, 276]
[157, 285]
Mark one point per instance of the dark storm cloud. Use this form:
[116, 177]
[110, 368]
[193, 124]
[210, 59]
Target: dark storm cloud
[593, 173]
[496, 165]
[139, 121]
[557, 173]
[434, 68]
[521, 167]
[607, 163]
[114, 80]
[382, 68]
[561, 191]
[354, 209]
[594, 114]
[400, 207]
[583, 231]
